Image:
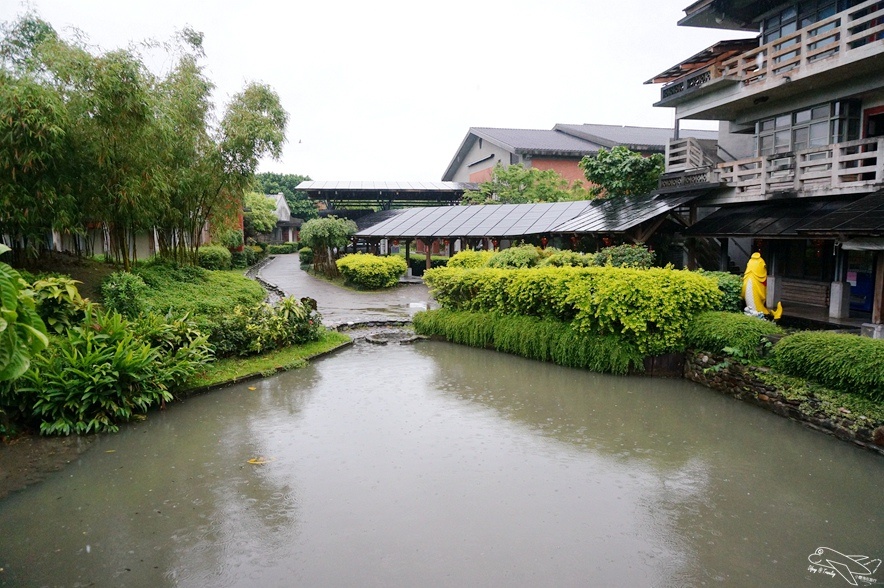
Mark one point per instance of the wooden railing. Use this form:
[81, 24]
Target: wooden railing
[684, 154]
[843, 32]
[840, 165]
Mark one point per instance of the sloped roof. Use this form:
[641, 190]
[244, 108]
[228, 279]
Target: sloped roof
[570, 140]
[783, 218]
[516, 220]
[865, 217]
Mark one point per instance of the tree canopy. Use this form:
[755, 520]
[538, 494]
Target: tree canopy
[301, 206]
[517, 184]
[621, 172]
[96, 139]
[323, 235]
[259, 214]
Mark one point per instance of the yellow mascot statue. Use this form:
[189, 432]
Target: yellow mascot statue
[755, 289]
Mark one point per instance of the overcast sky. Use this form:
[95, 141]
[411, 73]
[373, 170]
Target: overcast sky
[387, 90]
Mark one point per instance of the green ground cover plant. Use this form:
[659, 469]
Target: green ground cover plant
[846, 363]
[537, 338]
[371, 272]
[727, 332]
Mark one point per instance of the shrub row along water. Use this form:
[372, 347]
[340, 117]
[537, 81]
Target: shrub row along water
[648, 310]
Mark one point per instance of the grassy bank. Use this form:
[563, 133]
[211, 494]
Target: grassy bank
[232, 369]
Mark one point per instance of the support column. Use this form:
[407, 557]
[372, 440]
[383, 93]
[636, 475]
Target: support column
[724, 259]
[429, 244]
[839, 292]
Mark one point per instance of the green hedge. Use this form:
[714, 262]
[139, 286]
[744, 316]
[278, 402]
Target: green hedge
[371, 272]
[214, 257]
[470, 258]
[730, 286]
[634, 256]
[716, 331]
[306, 255]
[282, 248]
[647, 308]
[847, 363]
[534, 338]
[515, 257]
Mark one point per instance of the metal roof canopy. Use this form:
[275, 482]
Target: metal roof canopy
[785, 218]
[515, 220]
[386, 194]
[862, 218]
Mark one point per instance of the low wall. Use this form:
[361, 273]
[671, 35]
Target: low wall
[741, 381]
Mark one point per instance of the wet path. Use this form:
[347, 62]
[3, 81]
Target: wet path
[340, 306]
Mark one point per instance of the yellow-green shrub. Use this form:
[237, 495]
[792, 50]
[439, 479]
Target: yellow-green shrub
[470, 258]
[370, 271]
[646, 308]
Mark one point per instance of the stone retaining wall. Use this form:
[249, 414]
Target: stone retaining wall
[742, 382]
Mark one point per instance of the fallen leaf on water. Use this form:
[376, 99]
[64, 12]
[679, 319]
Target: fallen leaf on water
[111, 451]
[252, 388]
[260, 460]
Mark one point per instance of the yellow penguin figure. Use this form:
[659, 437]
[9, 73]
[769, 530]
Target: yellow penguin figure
[754, 289]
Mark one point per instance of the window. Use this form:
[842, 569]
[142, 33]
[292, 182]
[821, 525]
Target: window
[817, 126]
[800, 15]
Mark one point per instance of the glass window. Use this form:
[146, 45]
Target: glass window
[799, 138]
[784, 121]
[802, 116]
[819, 134]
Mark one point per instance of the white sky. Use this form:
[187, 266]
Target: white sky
[387, 89]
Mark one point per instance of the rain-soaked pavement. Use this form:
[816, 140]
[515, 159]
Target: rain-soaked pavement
[340, 306]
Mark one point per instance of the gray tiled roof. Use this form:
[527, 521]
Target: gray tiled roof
[536, 141]
[611, 135]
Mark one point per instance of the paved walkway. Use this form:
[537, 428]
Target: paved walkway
[339, 305]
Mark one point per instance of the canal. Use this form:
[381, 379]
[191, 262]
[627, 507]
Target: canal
[438, 465]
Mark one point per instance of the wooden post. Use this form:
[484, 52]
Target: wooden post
[408, 252]
[878, 300]
[429, 244]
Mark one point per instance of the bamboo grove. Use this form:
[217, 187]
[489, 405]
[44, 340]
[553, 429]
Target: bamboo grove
[94, 142]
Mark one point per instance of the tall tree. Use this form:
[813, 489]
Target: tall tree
[621, 172]
[518, 185]
[259, 214]
[323, 236]
[287, 184]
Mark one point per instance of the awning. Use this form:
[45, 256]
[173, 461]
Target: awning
[862, 218]
[783, 219]
[864, 244]
[613, 216]
[618, 215]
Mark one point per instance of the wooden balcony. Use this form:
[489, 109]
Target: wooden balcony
[854, 166]
[845, 37]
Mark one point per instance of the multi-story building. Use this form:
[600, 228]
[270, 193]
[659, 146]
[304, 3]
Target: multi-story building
[798, 172]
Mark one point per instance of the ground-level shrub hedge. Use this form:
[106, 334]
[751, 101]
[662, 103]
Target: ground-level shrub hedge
[214, 257]
[646, 308]
[282, 248]
[730, 286]
[371, 272]
[847, 363]
[470, 258]
[741, 335]
[543, 339]
[306, 255]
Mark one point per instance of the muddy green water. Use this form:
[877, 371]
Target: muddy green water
[439, 465]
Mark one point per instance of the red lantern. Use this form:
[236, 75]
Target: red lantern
[574, 240]
[543, 242]
[396, 242]
[494, 243]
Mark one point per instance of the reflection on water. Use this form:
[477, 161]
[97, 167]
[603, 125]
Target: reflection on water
[436, 464]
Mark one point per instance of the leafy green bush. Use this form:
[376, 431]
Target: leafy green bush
[22, 333]
[179, 341]
[532, 337]
[214, 257]
[98, 375]
[847, 363]
[124, 292]
[515, 257]
[58, 302]
[730, 286]
[306, 255]
[470, 258]
[634, 256]
[717, 331]
[646, 308]
[370, 271]
[282, 248]
[418, 263]
[258, 328]
[230, 238]
[567, 258]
